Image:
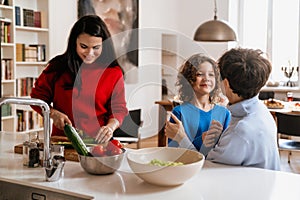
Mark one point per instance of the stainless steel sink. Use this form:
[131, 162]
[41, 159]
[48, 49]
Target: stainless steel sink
[14, 190]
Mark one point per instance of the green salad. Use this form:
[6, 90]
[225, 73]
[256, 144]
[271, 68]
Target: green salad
[157, 162]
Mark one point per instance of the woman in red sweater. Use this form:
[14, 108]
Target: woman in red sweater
[84, 86]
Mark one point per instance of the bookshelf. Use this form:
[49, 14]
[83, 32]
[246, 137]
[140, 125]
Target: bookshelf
[24, 52]
[7, 63]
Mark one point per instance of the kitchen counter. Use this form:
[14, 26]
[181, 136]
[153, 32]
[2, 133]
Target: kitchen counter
[283, 89]
[280, 91]
[213, 182]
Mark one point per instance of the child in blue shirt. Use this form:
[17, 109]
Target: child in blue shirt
[199, 121]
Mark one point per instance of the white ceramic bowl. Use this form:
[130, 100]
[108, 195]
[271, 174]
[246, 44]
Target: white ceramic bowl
[139, 160]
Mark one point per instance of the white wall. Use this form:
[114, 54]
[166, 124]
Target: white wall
[62, 16]
[177, 17]
[156, 17]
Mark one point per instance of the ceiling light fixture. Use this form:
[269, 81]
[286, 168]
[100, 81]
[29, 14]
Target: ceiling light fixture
[215, 30]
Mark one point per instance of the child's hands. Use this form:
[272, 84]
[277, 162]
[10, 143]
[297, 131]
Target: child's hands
[175, 131]
[210, 137]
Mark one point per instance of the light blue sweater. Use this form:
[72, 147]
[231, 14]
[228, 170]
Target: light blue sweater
[250, 139]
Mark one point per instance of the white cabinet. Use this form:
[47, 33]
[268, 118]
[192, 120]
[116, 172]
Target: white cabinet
[28, 50]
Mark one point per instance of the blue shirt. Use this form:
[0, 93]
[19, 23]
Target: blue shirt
[250, 139]
[196, 121]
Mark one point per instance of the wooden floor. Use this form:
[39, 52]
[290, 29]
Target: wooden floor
[293, 166]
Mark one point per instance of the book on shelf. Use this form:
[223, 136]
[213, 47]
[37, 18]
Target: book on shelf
[5, 31]
[37, 19]
[7, 37]
[33, 18]
[28, 119]
[4, 2]
[7, 72]
[44, 19]
[6, 110]
[28, 17]
[21, 120]
[24, 86]
[31, 52]
[20, 52]
[18, 15]
[40, 51]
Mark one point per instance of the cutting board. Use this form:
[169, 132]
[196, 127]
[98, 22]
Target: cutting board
[70, 154]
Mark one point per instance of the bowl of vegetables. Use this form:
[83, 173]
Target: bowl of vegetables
[102, 159]
[96, 159]
[165, 166]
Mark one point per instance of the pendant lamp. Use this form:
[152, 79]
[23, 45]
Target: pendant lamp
[215, 30]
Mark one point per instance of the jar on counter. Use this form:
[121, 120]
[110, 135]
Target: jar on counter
[31, 151]
[31, 154]
[34, 155]
[289, 96]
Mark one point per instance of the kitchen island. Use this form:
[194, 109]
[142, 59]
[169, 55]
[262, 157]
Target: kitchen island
[212, 182]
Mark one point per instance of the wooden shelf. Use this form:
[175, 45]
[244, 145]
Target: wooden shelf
[6, 7]
[7, 44]
[8, 81]
[34, 29]
[31, 63]
[8, 117]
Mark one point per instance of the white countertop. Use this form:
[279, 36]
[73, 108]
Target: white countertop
[280, 89]
[213, 182]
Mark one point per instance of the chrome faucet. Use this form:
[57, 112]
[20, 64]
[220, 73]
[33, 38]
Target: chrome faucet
[53, 166]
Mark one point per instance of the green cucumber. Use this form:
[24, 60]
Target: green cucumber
[76, 140]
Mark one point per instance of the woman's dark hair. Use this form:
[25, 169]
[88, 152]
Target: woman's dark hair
[188, 75]
[92, 25]
[246, 70]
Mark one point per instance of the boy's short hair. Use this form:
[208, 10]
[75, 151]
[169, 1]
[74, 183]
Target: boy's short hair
[246, 70]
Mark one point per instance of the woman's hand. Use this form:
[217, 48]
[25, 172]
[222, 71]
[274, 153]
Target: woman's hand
[104, 134]
[175, 131]
[209, 137]
[59, 119]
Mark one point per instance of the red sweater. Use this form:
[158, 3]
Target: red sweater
[102, 96]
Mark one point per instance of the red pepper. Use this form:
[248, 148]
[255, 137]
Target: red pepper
[117, 143]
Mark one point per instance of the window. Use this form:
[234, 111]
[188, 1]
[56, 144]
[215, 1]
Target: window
[273, 27]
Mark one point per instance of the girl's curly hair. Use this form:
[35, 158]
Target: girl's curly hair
[188, 74]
